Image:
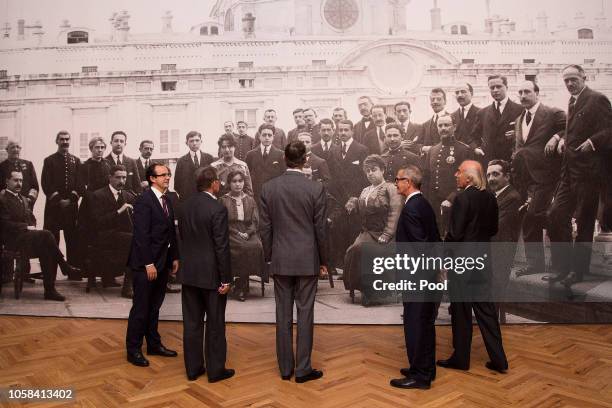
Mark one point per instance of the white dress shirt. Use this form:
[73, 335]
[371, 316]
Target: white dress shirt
[525, 128]
[411, 195]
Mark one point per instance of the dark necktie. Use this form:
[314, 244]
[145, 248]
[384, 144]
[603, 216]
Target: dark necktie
[528, 118]
[146, 163]
[265, 153]
[343, 150]
[119, 161]
[196, 162]
[325, 147]
[462, 113]
[381, 135]
[165, 204]
[498, 108]
[572, 105]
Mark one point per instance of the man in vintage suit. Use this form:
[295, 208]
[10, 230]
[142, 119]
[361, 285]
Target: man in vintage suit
[586, 150]
[437, 101]
[494, 133]
[474, 220]
[228, 127]
[244, 142]
[62, 189]
[465, 115]
[153, 254]
[300, 125]
[117, 157]
[338, 114]
[412, 132]
[280, 140]
[538, 166]
[320, 170]
[374, 138]
[15, 162]
[265, 161]
[111, 215]
[509, 202]
[205, 275]
[395, 156]
[292, 230]
[323, 148]
[364, 103]
[186, 166]
[417, 225]
[146, 151]
[311, 125]
[19, 233]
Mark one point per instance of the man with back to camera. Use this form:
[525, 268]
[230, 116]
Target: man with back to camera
[205, 275]
[417, 225]
[153, 254]
[292, 230]
[117, 157]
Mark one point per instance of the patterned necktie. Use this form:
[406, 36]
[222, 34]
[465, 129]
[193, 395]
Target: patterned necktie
[572, 105]
[528, 118]
[165, 205]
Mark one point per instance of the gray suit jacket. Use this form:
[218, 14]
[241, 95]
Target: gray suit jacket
[292, 227]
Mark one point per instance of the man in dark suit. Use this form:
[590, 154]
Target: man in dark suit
[280, 140]
[338, 114]
[465, 115]
[320, 170]
[311, 125]
[292, 230]
[412, 132]
[396, 157]
[111, 214]
[228, 127]
[300, 125]
[186, 166]
[205, 275]
[364, 103]
[244, 142]
[474, 220]
[586, 150]
[15, 162]
[153, 253]
[417, 225]
[62, 189]
[323, 148]
[538, 130]
[146, 151]
[494, 133]
[509, 201]
[117, 157]
[374, 138]
[265, 161]
[19, 232]
[431, 137]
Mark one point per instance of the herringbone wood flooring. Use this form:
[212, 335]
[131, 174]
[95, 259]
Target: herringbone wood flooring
[550, 366]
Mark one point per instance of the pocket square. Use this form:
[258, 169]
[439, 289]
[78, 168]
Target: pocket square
[356, 162]
[275, 162]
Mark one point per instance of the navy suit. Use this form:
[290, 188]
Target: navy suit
[153, 242]
[417, 225]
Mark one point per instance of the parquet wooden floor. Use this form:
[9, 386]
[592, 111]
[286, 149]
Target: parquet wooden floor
[550, 366]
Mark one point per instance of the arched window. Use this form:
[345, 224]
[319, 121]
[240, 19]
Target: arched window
[229, 20]
[585, 34]
[204, 30]
[454, 30]
[214, 30]
[75, 37]
[464, 30]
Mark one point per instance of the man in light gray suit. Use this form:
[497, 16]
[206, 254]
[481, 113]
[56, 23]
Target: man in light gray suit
[292, 229]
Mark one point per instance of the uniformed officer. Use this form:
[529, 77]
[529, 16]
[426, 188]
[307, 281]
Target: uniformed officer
[395, 157]
[14, 162]
[440, 165]
[61, 187]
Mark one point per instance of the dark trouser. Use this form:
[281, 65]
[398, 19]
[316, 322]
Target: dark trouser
[579, 199]
[534, 223]
[199, 303]
[302, 291]
[41, 244]
[72, 245]
[119, 244]
[420, 336]
[487, 319]
[144, 315]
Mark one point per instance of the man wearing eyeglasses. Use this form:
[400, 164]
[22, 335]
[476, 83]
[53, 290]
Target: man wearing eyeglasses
[154, 252]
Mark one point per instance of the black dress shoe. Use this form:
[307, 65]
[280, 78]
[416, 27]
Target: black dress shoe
[138, 359]
[54, 295]
[450, 363]
[195, 376]
[494, 367]
[227, 373]
[408, 383]
[313, 375]
[406, 373]
[73, 273]
[170, 289]
[161, 351]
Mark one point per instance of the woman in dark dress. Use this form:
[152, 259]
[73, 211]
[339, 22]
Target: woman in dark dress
[245, 246]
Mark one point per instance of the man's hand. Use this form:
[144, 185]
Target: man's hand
[551, 146]
[407, 144]
[144, 184]
[151, 272]
[479, 152]
[31, 228]
[323, 271]
[350, 205]
[510, 134]
[175, 266]
[561, 146]
[382, 239]
[224, 288]
[124, 207]
[445, 204]
[425, 149]
[585, 147]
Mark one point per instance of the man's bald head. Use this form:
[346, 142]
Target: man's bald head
[470, 173]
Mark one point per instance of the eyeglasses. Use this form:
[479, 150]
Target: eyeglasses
[163, 175]
[398, 179]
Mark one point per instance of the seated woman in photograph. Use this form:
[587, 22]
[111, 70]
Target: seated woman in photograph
[245, 245]
[379, 207]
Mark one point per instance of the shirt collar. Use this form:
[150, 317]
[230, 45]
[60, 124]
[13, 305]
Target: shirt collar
[157, 193]
[265, 147]
[196, 153]
[576, 96]
[118, 157]
[503, 102]
[113, 190]
[348, 143]
[498, 192]
[412, 195]
[211, 194]
[466, 108]
[295, 170]
[13, 193]
[534, 108]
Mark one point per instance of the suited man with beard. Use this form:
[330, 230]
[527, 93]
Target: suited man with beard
[265, 161]
[431, 137]
[374, 139]
[465, 115]
[186, 166]
[15, 162]
[146, 151]
[538, 131]
[412, 132]
[494, 133]
[324, 147]
[117, 157]
[364, 103]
